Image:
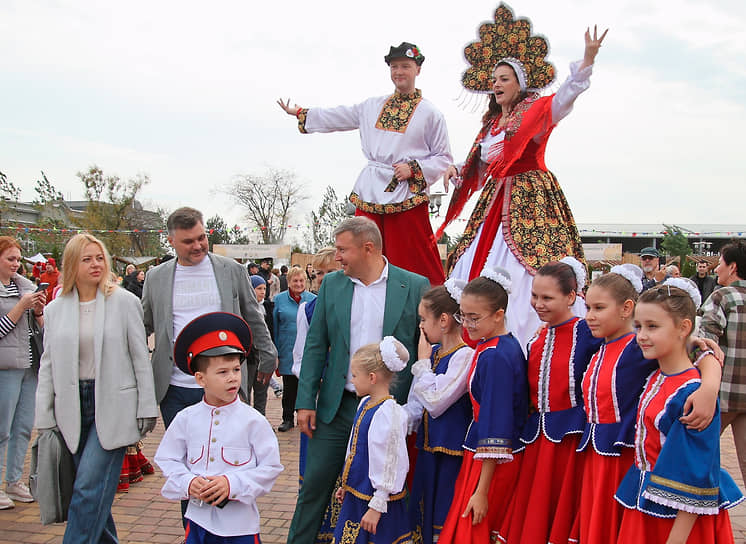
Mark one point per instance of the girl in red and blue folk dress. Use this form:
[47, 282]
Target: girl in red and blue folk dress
[676, 491]
[439, 408]
[373, 492]
[499, 397]
[612, 386]
[546, 498]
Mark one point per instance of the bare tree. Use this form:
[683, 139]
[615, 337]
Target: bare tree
[268, 200]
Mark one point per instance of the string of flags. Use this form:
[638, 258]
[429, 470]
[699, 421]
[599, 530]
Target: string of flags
[583, 232]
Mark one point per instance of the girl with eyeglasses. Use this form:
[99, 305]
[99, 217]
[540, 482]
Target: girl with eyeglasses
[498, 391]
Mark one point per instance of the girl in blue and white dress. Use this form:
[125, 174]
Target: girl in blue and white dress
[675, 491]
[438, 408]
[373, 492]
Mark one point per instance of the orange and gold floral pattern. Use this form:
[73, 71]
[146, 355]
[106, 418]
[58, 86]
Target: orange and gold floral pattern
[506, 37]
[538, 225]
[397, 111]
[396, 207]
[301, 115]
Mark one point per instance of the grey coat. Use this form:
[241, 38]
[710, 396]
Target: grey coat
[124, 377]
[236, 296]
[14, 345]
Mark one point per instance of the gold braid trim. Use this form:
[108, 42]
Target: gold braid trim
[396, 207]
[686, 488]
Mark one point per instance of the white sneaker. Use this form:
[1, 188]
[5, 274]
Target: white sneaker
[19, 491]
[5, 501]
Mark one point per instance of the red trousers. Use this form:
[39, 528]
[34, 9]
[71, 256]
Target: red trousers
[408, 242]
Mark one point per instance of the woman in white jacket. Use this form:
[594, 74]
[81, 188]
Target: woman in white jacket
[95, 382]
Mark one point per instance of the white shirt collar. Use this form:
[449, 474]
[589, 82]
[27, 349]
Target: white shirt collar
[382, 278]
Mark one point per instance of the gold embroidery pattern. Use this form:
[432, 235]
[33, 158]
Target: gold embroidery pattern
[302, 114]
[686, 488]
[426, 417]
[396, 207]
[353, 452]
[350, 532]
[538, 225]
[397, 111]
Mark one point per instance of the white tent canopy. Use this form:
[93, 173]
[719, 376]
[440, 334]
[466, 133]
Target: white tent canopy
[38, 258]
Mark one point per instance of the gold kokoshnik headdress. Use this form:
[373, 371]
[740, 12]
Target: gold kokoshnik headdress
[510, 40]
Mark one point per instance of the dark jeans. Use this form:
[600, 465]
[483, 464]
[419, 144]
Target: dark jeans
[96, 479]
[250, 384]
[289, 392]
[176, 399]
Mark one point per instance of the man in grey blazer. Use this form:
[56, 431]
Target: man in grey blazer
[195, 283]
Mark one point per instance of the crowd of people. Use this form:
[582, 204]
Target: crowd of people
[511, 402]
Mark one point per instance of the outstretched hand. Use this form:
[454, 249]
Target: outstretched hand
[592, 45]
[286, 106]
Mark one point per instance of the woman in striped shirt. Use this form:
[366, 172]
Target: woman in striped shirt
[19, 303]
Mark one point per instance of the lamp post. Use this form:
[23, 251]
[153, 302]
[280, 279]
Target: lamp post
[435, 202]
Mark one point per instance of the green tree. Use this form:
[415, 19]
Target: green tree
[323, 221]
[268, 200]
[46, 192]
[112, 206]
[675, 242]
[218, 232]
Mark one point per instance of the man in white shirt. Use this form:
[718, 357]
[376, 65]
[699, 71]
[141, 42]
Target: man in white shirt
[179, 290]
[195, 283]
[365, 301]
[405, 140]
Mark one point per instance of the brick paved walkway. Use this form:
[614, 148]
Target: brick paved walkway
[143, 517]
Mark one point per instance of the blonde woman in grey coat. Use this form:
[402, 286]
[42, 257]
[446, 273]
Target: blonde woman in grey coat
[95, 383]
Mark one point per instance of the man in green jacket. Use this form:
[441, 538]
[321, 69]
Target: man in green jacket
[365, 301]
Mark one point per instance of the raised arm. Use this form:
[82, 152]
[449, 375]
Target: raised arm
[592, 45]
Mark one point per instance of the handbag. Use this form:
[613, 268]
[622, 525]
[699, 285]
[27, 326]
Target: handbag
[36, 340]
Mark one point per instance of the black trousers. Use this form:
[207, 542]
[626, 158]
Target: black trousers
[289, 392]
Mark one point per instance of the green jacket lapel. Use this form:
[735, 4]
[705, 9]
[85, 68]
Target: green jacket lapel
[397, 291]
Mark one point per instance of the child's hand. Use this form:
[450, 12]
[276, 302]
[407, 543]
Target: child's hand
[424, 349]
[699, 409]
[370, 520]
[196, 486]
[477, 505]
[215, 490]
[340, 494]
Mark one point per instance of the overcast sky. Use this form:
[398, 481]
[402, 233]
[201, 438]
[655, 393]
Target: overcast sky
[185, 92]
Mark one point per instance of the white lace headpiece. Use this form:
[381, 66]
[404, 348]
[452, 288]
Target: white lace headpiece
[518, 68]
[499, 276]
[455, 288]
[578, 268]
[688, 286]
[389, 354]
[631, 272]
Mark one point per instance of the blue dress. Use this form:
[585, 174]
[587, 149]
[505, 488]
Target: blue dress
[439, 457]
[372, 471]
[675, 468]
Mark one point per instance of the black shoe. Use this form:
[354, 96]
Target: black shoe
[285, 426]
